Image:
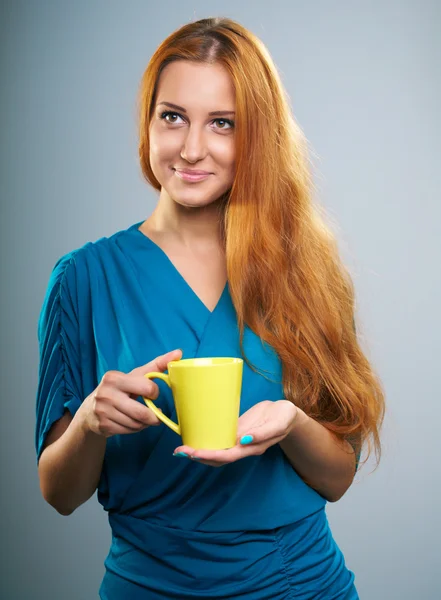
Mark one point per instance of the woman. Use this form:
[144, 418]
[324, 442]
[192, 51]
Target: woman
[234, 261]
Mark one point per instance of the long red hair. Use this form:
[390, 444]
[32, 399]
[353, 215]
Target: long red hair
[286, 278]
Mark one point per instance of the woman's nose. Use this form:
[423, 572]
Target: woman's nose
[194, 148]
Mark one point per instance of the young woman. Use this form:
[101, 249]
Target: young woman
[234, 261]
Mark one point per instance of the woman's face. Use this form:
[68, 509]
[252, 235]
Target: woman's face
[192, 149]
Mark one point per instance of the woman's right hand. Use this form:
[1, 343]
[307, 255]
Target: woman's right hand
[112, 407]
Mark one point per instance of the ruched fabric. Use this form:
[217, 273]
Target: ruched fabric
[59, 384]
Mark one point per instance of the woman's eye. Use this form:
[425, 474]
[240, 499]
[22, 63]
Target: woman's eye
[224, 123]
[170, 117]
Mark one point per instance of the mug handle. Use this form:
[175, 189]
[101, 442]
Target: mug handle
[156, 410]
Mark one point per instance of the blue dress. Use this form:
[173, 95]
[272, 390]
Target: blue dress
[251, 530]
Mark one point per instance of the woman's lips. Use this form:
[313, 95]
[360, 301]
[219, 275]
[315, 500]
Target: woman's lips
[190, 175]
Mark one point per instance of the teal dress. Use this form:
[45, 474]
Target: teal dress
[251, 530]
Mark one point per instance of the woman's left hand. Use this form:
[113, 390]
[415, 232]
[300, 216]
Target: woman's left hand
[262, 426]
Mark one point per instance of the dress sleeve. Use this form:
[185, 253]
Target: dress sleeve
[59, 375]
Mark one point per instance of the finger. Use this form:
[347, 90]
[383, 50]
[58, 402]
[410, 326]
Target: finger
[189, 454]
[110, 427]
[265, 433]
[124, 420]
[216, 457]
[136, 411]
[159, 363]
[131, 384]
[121, 402]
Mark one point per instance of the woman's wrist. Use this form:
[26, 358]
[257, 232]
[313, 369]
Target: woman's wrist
[84, 421]
[301, 419]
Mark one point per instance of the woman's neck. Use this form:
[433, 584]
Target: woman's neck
[188, 225]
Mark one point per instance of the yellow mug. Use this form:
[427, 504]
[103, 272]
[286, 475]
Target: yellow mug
[206, 392]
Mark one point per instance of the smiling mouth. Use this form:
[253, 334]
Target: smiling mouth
[191, 175]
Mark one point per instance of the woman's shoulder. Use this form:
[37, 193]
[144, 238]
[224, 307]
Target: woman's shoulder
[78, 265]
[90, 250]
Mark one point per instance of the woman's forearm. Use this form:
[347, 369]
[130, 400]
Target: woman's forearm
[70, 467]
[322, 461]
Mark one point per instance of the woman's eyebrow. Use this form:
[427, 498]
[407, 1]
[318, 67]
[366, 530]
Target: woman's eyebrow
[182, 109]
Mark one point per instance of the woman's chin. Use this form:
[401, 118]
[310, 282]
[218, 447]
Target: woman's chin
[193, 200]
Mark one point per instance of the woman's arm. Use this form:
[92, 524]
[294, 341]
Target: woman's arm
[70, 464]
[324, 462]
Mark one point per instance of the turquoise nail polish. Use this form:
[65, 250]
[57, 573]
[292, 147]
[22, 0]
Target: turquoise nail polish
[247, 439]
[181, 454]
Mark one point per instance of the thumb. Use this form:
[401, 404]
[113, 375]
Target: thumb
[258, 433]
[159, 363]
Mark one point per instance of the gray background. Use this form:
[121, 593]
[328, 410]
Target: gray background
[364, 79]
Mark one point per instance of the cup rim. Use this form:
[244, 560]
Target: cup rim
[198, 361]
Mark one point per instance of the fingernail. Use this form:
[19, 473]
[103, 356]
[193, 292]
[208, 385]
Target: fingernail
[246, 439]
[180, 454]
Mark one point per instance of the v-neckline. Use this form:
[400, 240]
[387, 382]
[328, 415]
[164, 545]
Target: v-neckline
[178, 273]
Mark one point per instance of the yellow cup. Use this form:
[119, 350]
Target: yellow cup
[206, 392]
